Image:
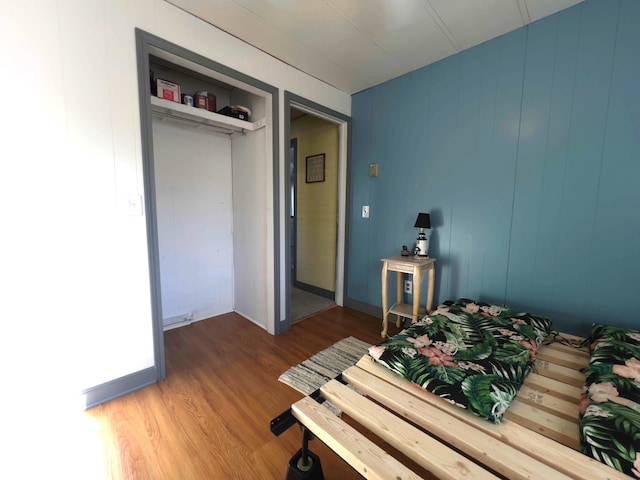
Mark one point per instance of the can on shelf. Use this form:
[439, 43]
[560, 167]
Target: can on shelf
[201, 100]
[187, 100]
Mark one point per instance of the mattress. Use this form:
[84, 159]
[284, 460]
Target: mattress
[473, 354]
[610, 404]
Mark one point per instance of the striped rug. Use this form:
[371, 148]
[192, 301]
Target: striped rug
[314, 372]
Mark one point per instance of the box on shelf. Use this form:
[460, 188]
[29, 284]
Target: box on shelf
[211, 105]
[201, 100]
[240, 114]
[168, 90]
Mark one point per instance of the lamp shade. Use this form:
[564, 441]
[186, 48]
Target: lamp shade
[423, 221]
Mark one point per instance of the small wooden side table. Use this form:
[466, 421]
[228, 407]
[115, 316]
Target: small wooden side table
[413, 265]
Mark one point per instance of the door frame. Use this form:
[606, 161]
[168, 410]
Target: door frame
[145, 42]
[343, 122]
[293, 199]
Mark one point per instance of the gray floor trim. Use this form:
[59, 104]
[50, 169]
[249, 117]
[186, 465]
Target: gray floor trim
[315, 290]
[363, 307]
[119, 387]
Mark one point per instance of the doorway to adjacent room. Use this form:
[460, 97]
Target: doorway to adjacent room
[316, 207]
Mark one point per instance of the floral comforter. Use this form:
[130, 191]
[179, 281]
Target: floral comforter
[470, 353]
[610, 406]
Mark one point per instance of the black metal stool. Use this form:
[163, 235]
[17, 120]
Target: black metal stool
[305, 465]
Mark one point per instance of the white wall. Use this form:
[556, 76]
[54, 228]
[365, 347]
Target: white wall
[252, 236]
[195, 224]
[75, 268]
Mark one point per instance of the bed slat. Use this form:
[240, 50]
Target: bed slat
[571, 337]
[560, 357]
[545, 423]
[358, 451]
[549, 403]
[559, 372]
[415, 444]
[553, 387]
[478, 445]
[582, 352]
[567, 460]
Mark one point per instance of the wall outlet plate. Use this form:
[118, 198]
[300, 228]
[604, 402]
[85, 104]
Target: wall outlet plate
[408, 287]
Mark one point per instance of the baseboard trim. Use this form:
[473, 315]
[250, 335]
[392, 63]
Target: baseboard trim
[363, 307]
[315, 290]
[120, 386]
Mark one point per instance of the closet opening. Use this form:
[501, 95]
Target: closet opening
[210, 190]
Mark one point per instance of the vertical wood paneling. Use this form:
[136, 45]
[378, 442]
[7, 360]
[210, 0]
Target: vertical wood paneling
[467, 127]
[530, 176]
[499, 158]
[526, 150]
[442, 122]
[554, 165]
[493, 177]
[584, 156]
[358, 276]
[614, 263]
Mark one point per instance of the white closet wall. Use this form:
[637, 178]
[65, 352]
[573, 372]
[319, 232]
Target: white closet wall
[212, 199]
[195, 220]
[252, 176]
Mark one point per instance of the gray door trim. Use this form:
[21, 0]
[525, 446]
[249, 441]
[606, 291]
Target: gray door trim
[144, 41]
[293, 100]
[292, 224]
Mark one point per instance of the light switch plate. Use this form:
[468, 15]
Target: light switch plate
[365, 211]
[134, 205]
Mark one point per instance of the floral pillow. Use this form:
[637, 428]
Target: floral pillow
[600, 333]
[473, 354]
[610, 404]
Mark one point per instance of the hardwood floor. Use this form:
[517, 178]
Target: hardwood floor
[209, 419]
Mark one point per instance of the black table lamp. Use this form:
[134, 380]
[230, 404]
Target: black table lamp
[422, 243]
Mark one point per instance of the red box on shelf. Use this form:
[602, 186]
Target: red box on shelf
[211, 104]
[168, 90]
[200, 100]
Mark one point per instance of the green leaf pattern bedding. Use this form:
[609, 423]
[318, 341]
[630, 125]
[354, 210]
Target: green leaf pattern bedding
[472, 354]
[610, 404]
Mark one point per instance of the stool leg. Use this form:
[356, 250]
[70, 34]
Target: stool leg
[305, 465]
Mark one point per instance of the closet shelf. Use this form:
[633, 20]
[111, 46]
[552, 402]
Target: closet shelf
[175, 110]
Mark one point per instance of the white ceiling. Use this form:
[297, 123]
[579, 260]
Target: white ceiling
[356, 44]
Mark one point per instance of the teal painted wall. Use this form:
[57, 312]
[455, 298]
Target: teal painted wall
[526, 151]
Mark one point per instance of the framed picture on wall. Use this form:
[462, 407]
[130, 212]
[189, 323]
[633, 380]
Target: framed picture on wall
[315, 168]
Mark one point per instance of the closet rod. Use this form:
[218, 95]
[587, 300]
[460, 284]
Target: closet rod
[163, 115]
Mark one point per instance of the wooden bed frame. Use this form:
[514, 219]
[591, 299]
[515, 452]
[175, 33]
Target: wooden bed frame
[538, 437]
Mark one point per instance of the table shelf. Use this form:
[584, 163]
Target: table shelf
[405, 310]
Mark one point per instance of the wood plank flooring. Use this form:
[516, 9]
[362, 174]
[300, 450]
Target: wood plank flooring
[209, 419]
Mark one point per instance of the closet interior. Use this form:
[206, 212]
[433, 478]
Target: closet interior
[213, 177]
